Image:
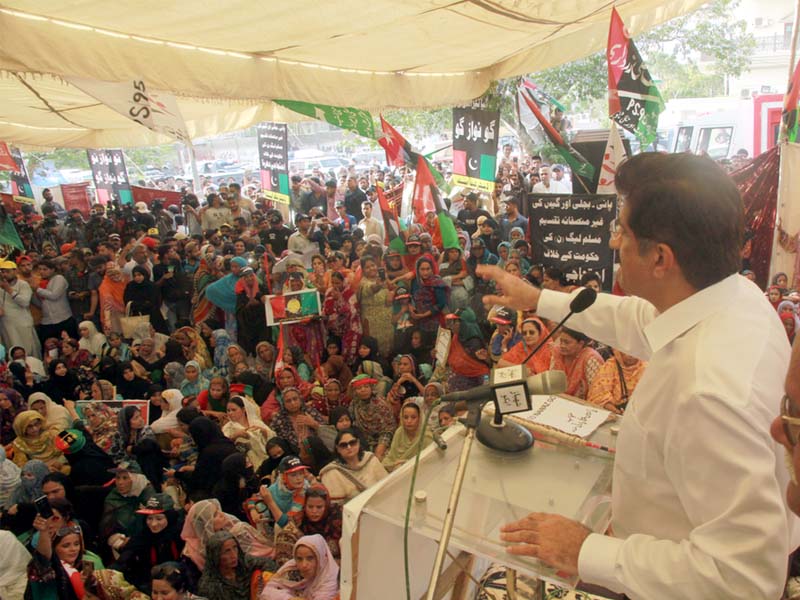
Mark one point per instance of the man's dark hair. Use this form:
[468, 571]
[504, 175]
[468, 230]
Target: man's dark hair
[590, 276]
[235, 186]
[690, 204]
[47, 263]
[556, 274]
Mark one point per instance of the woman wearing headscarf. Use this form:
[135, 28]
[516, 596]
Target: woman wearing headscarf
[429, 295]
[250, 321]
[614, 383]
[206, 517]
[222, 341]
[169, 412]
[277, 448]
[63, 383]
[580, 362]
[237, 484]
[120, 520]
[376, 305]
[14, 575]
[229, 572]
[91, 340]
[30, 478]
[532, 330]
[129, 385]
[101, 422]
[246, 429]
[131, 430]
[159, 541]
[406, 436]
[468, 360]
[112, 298]
[453, 271]
[407, 383]
[194, 382]
[287, 377]
[193, 347]
[343, 315]
[9, 479]
[296, 421]
[11, 404]
[213, 447]
[311, 575]
[56, 417]
[372, 415]
[322, 517]
[293, 356]
[222, 292]
[144, 299]
[265, 360]
[35, 441]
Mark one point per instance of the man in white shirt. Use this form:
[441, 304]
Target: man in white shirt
[698, 507]
[369, 224]
[547, 185]
[299, 241]
[560, 180]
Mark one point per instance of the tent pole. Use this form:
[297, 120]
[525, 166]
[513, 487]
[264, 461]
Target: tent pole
[195, 174]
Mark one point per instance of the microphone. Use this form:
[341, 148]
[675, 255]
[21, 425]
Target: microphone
[437, 439]
[545, 383]
[583, 300]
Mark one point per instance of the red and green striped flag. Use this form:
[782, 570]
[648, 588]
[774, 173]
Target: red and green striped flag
[427, 198]
[790, 120]
[391, 224]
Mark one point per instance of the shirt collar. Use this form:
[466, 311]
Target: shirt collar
[680, 318]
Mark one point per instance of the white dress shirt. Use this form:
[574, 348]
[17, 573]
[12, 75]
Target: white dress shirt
[698, 488]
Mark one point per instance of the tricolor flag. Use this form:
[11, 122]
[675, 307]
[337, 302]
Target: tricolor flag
[612, 157]
[634, 101]
[391, 224]
[426, 198]
[7, 162]
[790, 120]
[400, 154]
[572, 157]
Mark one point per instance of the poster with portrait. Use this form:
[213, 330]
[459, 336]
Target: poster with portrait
[292, 307]
[475, 135]
[273, 156]
[110, 176]
[572, 233]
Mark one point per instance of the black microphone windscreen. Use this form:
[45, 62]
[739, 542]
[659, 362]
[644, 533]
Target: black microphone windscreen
[583, 300]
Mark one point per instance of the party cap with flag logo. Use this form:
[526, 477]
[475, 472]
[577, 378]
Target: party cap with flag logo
[157, 504]
[290, 464]
[70, 441]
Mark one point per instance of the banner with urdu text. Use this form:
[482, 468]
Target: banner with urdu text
[273, 157]
[475, 135]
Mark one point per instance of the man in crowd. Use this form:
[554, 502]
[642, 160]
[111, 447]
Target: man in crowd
[470, 213]
[369, 224]
[16, 321]
[354, 198]
[52, 297]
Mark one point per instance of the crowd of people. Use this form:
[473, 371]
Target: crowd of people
[159, 438]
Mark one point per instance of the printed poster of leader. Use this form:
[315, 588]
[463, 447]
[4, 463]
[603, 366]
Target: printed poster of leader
[273, 156]
[572, 232]
[475, 134]
[110, 176]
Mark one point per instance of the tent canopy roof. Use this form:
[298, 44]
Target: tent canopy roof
[227, 59]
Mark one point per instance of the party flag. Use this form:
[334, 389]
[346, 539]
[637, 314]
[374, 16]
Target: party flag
[634, 101]
[279, 350]
[612, 157]
[353, 119]
[390, 224]
[427, 198]
[790, 120]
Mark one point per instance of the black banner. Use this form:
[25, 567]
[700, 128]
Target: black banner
[273, 155]
[475, 135]
[20, 183]
[572, 232]
[110, 176]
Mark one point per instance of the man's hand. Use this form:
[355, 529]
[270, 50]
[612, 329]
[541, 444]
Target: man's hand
[553, 539]
[517, 294]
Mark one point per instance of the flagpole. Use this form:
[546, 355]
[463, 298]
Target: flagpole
[784, 135]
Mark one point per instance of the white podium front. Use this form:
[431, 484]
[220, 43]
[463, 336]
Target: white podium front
[498, 488]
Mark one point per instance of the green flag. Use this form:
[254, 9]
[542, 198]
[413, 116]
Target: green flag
[353, 119]
[8, 233]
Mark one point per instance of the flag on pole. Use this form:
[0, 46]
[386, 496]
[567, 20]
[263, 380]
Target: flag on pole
[8, 233]
[279, 351]
[391, 224]
[427, 198]
[612, 157]
[790, 120]
[7, 162]
[400, 154]
[134, 99]
[571, 156]
[344, 117]
[634, 101]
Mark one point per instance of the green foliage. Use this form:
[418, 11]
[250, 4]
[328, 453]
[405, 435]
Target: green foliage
[418, 124]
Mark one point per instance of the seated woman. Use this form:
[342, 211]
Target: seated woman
[214, 401]
[56, 417]
[532, 330]
[63, 383]
[406, 437]
[159, 541]
[31, 479]
[312, 575]
[130, 385]
[277, 448]
[91, 340]
[615, 381]
[116, 348]
[34, 441]
[236, 486]
[354, 470]
[580, 362]
[230, 573]
[453, 270]
[468, 360]
[322, 517]
[372, 415]
[170, 581]
[246, 429]
[131, 490]
[293, 357]
[407, 383]
[131, 430]
[151, 361]
[296, 421]
[285, 378]
[205, 517]
[193, 383]
[213, 447]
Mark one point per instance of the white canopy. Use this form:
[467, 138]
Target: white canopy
[227, 59]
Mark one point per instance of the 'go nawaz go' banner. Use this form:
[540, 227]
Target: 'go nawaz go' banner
[273, 156]
[475, 134]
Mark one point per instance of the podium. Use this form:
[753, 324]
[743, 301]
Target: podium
[498, 488]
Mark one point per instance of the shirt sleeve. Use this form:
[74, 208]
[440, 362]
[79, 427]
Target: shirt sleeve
[613, 320]
[739, 543]
[55, 292]
[23, 296]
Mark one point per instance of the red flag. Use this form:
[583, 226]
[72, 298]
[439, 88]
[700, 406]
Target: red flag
[7, 162]
[790, 105]
[279, 351]
[390, 224]
[422, 200]
[398, 149]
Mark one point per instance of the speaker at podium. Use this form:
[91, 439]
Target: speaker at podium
[498, 488]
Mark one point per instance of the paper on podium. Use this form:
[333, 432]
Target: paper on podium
[564, 415]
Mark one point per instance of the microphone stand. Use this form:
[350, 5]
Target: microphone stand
[541, 344]
[471, 422]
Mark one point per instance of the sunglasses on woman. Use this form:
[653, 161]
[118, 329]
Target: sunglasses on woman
[350, 444]
[790, 416]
